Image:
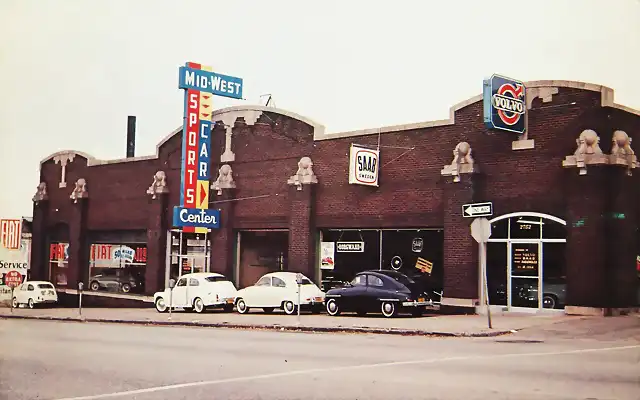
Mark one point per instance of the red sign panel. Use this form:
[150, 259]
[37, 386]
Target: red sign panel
[13, 279]
[10, 233]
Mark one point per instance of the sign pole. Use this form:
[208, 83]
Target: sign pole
[12, 296]
[80, 288]
[483, 258]
[299, 282]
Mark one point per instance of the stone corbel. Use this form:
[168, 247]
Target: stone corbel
[159, 185]
[80, 191]
[63, 159]
[304, 175]
[621, 152]
[229, 120]
[462, 162]
[224, 180]
[587, 153]
[41, 193]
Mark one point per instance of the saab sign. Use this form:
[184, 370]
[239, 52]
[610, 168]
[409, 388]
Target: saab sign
[192, 217]
[363, 166]
[504, 104]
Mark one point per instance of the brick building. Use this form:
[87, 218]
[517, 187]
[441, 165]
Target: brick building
[565, 222]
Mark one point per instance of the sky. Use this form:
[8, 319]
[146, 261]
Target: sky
[71, 71]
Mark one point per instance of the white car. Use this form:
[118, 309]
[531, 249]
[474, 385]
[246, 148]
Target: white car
[280, 290]
[198, 291]
[32, 293]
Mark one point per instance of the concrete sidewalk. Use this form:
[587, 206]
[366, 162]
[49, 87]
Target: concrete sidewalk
[440, 325]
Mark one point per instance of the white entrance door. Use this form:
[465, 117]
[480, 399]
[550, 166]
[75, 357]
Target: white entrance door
[524, 275]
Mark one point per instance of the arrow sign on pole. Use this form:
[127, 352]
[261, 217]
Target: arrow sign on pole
[477, 210]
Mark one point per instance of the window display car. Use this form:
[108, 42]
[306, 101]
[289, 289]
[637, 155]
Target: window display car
[198, 291]
[280, 290]
[34, 293]
[116, 280]
[390, 292]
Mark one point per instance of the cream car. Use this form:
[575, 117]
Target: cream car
[32, 293]
[197, 291]
[280, 290]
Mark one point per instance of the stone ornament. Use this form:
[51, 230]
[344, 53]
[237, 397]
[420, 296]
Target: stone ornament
[304, 175]
[462, 163]
[587, 153]
[621, 152]
[80, 191]
[41, 193]
[63, 159]
[224, 180]
[159, 185]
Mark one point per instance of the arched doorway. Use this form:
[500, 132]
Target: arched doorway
[526, 261]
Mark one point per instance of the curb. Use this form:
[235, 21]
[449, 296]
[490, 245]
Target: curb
[288, 328]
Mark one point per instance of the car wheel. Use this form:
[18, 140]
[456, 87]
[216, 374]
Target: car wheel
[198, 305]
[126, 287]
[15, 302]
[267, 310]
[388, 309]
[289, 308]
[228, 308]
[161, 306]
[333, 308]
[94, 285]
[241, 306]
[549, 301]
[31, 304]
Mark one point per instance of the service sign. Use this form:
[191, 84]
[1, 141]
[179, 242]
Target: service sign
[363, 166]
[504, 104]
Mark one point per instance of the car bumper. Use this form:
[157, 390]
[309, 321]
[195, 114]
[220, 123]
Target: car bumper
[225, 301]
[417, 303]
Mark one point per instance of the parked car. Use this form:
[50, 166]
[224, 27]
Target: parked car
[198, 291]
[34, 293]
[115, 280]
[554, 294]
[390, 292]
[280, 290]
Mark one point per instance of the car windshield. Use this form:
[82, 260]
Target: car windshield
[216, 279]
[305, 281]
[45, 286]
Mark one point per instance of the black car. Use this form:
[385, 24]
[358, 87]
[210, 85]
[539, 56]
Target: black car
[390, 292]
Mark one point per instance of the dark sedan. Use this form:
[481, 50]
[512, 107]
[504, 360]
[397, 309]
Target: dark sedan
[389, 292]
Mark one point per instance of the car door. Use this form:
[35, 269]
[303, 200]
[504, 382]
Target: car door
[258, 294]
[352, 297]
[20, 293]
[180, 293]
[280, 291]
[375, 292]
[193, 290]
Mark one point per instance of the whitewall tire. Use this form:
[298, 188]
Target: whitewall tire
[198, 305]
[15, 302]
[289, 308]
[241, 306]
[31, 304]
[161, 306]
[333, 308]
[388, 309]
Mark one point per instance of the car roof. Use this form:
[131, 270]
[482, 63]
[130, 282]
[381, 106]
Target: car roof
[37, 282]
[203, 275]
[284, 274]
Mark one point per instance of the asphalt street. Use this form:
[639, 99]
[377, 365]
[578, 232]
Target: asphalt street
[73, 361]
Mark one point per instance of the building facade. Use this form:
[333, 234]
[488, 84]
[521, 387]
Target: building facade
[565, 199]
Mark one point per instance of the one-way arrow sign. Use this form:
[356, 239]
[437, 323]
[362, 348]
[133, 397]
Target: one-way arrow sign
[477, 210]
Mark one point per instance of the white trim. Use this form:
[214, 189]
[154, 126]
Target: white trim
[527, 240]
[529, 214]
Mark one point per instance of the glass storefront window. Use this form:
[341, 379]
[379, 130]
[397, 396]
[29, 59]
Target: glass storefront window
[525, 228]
[554, 284]
[189, 252]
[117, 267]
[497, 273]
[500, 229]
[58, 263]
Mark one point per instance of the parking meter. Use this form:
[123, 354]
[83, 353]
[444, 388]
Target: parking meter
[299, 282]
[80, 288]
[172, 284]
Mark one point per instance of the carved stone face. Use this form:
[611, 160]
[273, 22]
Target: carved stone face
[590, 137]
[305, 163]
[225, 170]
[621, 139]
